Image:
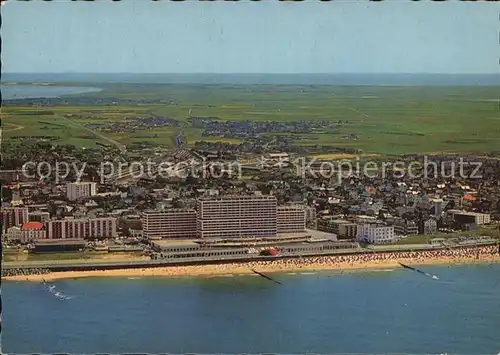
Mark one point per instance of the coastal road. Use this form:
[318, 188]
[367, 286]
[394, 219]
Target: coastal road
[120, 146]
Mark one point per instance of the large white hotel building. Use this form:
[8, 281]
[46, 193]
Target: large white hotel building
[237, 216]
[226, 217]
[169, 223]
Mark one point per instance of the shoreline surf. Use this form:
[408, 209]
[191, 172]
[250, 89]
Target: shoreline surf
[272, 267]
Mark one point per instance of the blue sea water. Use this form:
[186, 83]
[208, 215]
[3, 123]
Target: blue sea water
[396, 311]
[16, 92]
[262, 79]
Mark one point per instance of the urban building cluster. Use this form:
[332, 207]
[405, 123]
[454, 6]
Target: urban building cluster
[383, 227]
[20, 224]
[269, 201]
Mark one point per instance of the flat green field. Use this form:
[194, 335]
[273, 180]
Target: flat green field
[387, 120]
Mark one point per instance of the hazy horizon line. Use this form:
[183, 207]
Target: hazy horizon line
[243, 73]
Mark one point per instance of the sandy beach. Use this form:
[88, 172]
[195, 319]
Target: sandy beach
[389, 260]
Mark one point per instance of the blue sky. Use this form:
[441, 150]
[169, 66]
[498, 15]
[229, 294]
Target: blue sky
[394, 36]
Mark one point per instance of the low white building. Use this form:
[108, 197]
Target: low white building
[405, 227]
[376, 234]
[13, 233]
[429, 226]
[28, 232]
[461, 216]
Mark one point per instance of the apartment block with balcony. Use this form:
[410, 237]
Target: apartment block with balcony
[169, 223]
[237, 216]
[290, 219]
[14, 217]
[77, 228]
[79, 190]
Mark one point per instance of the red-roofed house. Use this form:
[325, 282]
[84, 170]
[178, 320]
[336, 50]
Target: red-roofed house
[370, 189]
[32, 231]
[469, 197]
